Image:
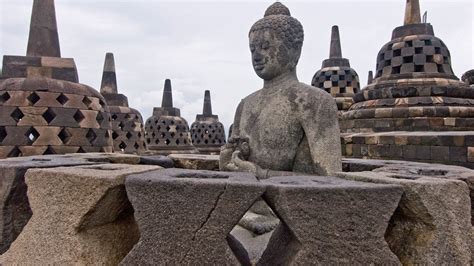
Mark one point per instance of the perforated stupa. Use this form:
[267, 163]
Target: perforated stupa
[207, 132]
[336, 75]
[44, 108]
[166, 132]
[128, 132]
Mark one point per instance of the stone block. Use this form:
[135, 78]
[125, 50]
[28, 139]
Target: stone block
[160, 160]
[319, 225]
[81, 216]
[197, 210]
[14, 203]
[440, 153]
[432, 224]
[195, 161]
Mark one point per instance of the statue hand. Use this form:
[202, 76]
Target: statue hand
[226, 156]
[243, 166]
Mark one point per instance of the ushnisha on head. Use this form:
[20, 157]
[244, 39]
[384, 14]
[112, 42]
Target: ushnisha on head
[275, 42]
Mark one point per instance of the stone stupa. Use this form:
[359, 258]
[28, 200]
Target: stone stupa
[128, 133]
[468, 77]
[415, 108]
[336, 75]
[166, 132]
[44, 108]
[207, 132]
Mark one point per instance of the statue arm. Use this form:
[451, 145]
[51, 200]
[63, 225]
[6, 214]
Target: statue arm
[323, 134]
[228, 149]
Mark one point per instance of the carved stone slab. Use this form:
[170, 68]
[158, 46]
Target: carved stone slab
[81, 215]
[185, 216]
[329, 221]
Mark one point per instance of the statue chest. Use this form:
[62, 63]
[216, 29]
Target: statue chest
[271, 123]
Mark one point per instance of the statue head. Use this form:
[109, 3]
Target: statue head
[275, 42]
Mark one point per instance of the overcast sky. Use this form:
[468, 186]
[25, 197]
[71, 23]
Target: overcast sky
[204, 45]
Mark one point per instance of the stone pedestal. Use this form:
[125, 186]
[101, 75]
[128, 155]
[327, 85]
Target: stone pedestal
[185, 216]
[81, 215]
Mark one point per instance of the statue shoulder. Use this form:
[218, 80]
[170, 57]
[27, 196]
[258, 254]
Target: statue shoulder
[313, 94]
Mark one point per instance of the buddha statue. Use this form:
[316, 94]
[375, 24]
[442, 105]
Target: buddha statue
[287, 127]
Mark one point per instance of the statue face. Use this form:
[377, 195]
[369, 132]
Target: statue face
[270, 57]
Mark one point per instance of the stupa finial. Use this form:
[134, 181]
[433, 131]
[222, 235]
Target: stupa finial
[412, 12]
[207, 108]
[109, 78]
[43, 39]
[167, 95]
[335, 49]
[370, 79]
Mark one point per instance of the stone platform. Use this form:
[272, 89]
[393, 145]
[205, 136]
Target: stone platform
[448, 147]
[390, 212]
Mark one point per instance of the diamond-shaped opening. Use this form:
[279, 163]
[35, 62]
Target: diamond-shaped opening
[49, 150]
[99, 118]
[81, 150]
[33, 98]
[266, 239]
[177, 142]
[114, 135]
[129, 135]
[3, 134]
[91, 136]
[136, 146]
[114, 117]
[122, 146]
[64, 136]
[15, 152]
[4, 97]
[78, 116]
[17, 114]
[62, 99]
[49, 115]
[86, 101]
[32, 135]
[121, 125]
[167, 141]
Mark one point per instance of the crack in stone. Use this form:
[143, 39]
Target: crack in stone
[205, 221]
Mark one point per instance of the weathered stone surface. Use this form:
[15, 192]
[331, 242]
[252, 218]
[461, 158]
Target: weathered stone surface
[81, 215]
[254, 244]
[274, 130]
[106, 157]
[160, 160]
[432, 224]
[185, 216]
[14, 202]
[328, 220]
[195, 161]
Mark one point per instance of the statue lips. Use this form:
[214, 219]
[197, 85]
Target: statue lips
[258, 66]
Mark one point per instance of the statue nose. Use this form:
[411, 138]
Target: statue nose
[257, 57]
